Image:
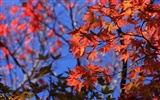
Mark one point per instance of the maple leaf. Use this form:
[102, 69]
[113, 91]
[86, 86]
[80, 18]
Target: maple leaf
[0, 2]
[14, 23]
[70, 5]
[28, 12]
[39, 6]
[132, 74]
[81, 51]
[21, 56]
[137, 69]
[32, 0]
[3, 28]
[124, 56]
[5, 51]
[2, 17]
[41, 81]
[21, 27]
[118, 48]
[90, 82]
[73, 81]
[88, 16]
[105, 11]
[61, 28]
[93, 69]
[109, 27]
[93, 55]
[9, 66]
[87, 1]
[14, 10]
[128, 86]
[126, 4]
[29, 50]
[78, 86]
[58, 43]
[122, 22]
[113, 2]
[108, 78]
[127, 12]
[50, 33]
[52, 49]
[80, 69]
[31, 29]
[103, 2]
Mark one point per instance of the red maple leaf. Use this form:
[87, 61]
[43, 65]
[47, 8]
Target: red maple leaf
[9, 66]
[14, 10]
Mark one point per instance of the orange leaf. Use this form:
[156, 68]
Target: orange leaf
[93, 68]
[137, 69]
[132, 74]
[122, 22]
[88, 16]
[76, 83]
[127, 13]
[90, 82]
[124, 57]
[93, 55]
[82, 49]
[128, 86]
[126, 4]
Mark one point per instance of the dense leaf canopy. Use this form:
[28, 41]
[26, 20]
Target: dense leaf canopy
[80, 50]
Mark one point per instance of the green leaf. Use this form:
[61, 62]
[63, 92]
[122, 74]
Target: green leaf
[101, 81]
[44, 70]
[106, 90]
[4, 88]
[2, 97]
[109, 98]
[30, 96]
